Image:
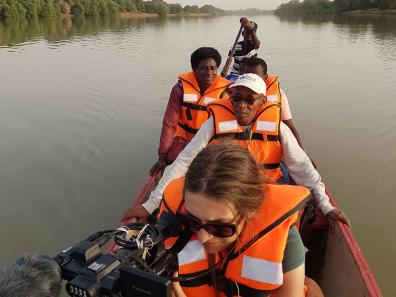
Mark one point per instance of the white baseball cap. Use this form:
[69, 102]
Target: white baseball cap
[251, 81]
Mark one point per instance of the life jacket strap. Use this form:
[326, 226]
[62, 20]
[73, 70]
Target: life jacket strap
[194, 106]
[243, 136]
[187, 128]
[271, 165]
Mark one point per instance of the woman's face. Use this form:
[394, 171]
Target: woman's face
[208, 210]
[206, 72]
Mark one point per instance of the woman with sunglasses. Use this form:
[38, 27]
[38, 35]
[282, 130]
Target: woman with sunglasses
[244, 242]
[252, 121]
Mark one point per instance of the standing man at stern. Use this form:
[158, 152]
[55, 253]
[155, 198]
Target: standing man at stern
[248, 47]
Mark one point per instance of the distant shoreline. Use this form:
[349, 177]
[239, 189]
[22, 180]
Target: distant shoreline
[129, 15]
[373, 11]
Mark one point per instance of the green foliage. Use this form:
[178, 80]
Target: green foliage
[326, 6]
[163, 9]
[191, 9]
[175, 9]
[140, 5]
[157, 6]
[94, 8]
[12, 9]
[49, 9]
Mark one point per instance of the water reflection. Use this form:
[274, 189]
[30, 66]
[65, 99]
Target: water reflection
[57, 30]
[382, 26]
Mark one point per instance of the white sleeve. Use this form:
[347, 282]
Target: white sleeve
[179, 167]
[301, 169]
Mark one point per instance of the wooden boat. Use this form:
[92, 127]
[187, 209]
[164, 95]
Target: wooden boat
[334, 260]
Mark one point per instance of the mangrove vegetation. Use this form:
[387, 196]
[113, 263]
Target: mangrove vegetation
[335, 6]
[50, 8]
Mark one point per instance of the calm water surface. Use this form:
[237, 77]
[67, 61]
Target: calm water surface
[81, 106]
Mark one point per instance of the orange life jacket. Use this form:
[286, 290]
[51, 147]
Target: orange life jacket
[194, 112]
[255, 263]
[273, 90]
[262, 140]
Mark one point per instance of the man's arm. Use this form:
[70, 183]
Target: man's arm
[171, 119]
[303, 172]
[293, 129]
[169, 126]
[255, 39]
[179, 167]
[301, 169]
[287, 117]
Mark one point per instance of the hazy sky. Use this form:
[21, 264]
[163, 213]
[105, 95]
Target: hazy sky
[233, 4]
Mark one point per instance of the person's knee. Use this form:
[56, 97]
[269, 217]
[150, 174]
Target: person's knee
[313, 289]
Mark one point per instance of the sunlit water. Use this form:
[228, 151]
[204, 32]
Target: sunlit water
[82, 105]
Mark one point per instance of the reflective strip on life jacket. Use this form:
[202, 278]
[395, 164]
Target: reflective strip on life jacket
[266, 126]
[192, 252]
[190, 97]
[194, 112]
[228, 126]
[262, 271]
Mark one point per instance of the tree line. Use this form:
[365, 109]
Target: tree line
[48, 8]
[326, 6]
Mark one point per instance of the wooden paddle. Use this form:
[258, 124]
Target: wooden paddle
[231, 54]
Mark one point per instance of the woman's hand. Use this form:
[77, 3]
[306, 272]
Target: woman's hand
[177, 290]
[138, 214]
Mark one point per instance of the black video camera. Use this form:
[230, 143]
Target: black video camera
[141, 267]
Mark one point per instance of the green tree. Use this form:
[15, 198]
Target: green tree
[140, 5]
[12, 9]
[175, 8]
[191, 9]
[163, 9]
[49, 9]
[210, 9]
[33, 7]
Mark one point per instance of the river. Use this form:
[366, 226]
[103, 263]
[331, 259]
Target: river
[82, 104]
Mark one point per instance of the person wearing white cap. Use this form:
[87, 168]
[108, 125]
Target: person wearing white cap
[248, 118]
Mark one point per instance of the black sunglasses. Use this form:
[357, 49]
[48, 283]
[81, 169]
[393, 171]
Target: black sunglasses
[215, 229]
[248, 99]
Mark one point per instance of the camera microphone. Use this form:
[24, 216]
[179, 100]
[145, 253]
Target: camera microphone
[31, 276]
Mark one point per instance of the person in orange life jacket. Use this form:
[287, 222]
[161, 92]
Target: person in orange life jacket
[225, 201]
[259, 67]
[245, 115]
[202, 81]
[186, 110]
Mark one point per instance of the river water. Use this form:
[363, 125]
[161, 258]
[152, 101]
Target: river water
[81, 105]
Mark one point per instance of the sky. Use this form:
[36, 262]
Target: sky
[233, 4]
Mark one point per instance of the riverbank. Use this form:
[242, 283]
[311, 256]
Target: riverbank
[129, 15]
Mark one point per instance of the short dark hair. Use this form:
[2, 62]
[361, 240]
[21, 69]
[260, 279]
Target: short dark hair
[204, 53]
[252, 62]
